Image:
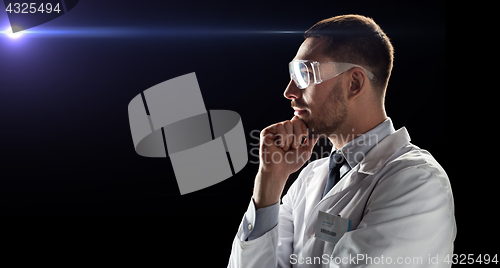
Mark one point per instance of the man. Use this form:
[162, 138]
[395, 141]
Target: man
[377, 200]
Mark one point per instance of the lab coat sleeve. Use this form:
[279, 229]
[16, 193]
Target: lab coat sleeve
[273, 248]
[409, 217]
[264, 220]
[259, 252]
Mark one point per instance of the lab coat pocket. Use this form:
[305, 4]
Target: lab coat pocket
[329, 246]
[354, 225]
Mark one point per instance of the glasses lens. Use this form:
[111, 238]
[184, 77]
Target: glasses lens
[299, 73]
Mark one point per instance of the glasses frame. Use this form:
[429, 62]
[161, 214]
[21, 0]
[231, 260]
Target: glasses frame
[321, 71]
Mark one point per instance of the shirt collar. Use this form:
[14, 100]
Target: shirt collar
[355, 150]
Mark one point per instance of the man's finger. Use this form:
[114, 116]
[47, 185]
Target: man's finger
[303, 126]
[289, 134]
[281, 135]
[298, 133]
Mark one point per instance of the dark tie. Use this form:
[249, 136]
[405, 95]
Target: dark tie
[337, 160]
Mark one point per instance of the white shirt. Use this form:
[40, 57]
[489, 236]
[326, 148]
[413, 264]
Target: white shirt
[399, 201]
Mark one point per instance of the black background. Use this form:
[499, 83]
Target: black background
[65, 136]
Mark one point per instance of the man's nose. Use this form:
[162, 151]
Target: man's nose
[292, 91]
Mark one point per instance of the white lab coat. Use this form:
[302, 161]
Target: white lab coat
[398, 199]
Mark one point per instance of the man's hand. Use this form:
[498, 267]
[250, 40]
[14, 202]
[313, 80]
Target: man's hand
[281, 154]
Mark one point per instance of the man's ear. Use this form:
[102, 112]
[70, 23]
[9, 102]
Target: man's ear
[357, 83]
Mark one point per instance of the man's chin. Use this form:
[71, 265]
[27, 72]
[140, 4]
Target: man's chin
[312, 135]
[312, 130]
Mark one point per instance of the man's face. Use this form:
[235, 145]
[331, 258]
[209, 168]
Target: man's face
[323, 107]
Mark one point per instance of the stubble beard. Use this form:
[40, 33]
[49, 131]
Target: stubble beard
[329, 118]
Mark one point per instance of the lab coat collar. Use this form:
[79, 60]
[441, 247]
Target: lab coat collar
[378, 155]
[381, 152]
[355, 150]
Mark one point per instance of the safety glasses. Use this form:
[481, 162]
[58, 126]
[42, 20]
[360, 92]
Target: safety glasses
[302, 72]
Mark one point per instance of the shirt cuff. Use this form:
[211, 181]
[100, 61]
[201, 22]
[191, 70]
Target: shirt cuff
[260, 221]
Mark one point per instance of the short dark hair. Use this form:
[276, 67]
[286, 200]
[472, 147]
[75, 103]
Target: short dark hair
[357, 39]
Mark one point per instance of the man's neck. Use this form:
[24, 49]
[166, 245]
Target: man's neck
[352, 131]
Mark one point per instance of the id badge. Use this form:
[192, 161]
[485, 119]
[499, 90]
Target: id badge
[331, 228]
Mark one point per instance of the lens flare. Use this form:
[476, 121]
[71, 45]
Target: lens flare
[12, 35]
